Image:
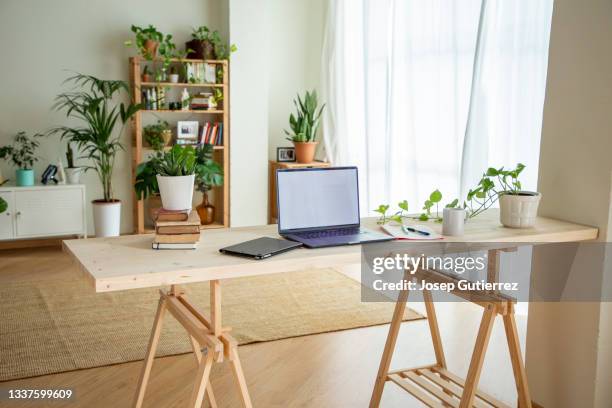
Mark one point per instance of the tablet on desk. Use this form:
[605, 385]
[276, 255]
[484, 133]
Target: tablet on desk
[261, 248]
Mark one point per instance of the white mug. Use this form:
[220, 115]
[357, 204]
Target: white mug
[453, 221]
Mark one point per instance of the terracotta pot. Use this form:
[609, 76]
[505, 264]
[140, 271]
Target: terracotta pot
[305, 151]
[201, 49]
[206, 211]
[150, 48]
[147, 78]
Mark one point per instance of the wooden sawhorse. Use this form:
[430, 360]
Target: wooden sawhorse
[433, 384]
[204, 334]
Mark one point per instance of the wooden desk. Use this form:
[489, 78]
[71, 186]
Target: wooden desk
[127, 262]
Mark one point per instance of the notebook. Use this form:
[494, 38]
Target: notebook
[396, 231]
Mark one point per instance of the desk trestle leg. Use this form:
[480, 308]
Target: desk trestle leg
[204, 334]
[433, 384]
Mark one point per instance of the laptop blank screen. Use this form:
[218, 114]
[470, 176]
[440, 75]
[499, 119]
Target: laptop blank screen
[317, 198]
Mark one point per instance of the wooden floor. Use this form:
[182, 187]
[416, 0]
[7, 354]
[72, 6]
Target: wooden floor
[325, 370]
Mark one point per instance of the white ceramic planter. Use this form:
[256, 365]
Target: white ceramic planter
[107, 218]
[174, 78]
[176, 192]
[73, 174]
[519, 210]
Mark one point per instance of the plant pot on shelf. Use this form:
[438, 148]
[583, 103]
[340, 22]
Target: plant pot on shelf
[519, 210]
[200, 49]
[25, 177]
[166, 136]
[305, 151]
[176, 192]
[173, 78]
[150, 48]
[147, 78]
[73, 174]
[206, 211]
[107, 217]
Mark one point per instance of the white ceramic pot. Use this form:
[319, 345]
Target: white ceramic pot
[519, 210]
[174, 78]
[176, 192]
[73, 174]
[107, 218]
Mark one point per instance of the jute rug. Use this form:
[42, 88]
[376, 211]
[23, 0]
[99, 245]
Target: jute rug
[55, 326]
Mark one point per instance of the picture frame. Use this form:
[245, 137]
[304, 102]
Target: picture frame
[187, 129]
[285, 154]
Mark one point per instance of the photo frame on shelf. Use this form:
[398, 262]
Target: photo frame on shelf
[285, 154]
[187, 129]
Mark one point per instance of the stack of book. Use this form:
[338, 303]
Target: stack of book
[200, 101]
[176, 230]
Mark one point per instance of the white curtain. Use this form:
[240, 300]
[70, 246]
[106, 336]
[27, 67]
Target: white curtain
[402, 77]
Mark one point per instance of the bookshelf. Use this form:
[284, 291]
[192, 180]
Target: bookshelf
[219, 196]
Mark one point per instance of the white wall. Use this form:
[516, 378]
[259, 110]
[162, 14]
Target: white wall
[296, 41]
[279, 50]
[569, 344]
[42, 39]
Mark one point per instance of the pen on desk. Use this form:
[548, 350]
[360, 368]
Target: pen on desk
[411, 229]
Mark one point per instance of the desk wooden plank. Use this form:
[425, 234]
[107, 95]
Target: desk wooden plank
[128, 262]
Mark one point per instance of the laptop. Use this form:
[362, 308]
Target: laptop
[319, 207]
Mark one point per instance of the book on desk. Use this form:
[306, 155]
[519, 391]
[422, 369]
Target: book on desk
[176, 230]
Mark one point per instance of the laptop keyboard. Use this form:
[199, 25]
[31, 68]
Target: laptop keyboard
[329, 233]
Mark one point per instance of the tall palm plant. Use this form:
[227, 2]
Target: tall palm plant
[93, 102]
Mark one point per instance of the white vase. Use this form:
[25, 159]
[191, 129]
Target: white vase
[176, 192]
[519, 210]
[73, 174]
[107, 218]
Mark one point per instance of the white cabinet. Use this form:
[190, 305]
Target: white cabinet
[6, 218]
[43, 211]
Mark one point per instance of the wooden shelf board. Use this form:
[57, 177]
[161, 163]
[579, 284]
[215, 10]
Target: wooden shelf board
[181, 111]
[148, 148]
[437, 387]
[180, 84]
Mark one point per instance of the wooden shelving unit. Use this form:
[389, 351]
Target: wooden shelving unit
[219, 196]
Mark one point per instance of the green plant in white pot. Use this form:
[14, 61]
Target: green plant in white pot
[175, 173]
[94, 105]
[304, 126]
[22, 153]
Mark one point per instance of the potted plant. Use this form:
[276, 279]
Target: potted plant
[174, 76]
[153, 174]
[200, 45]
[146, 184]
[22, 154]
[207, 45]
[517, 208]
[304, 127]
[215, 99]
[146, 75]
[94, 104]
[158, 135]
[175, 172]
[73, 173]
[209, 175]
[147, 41]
